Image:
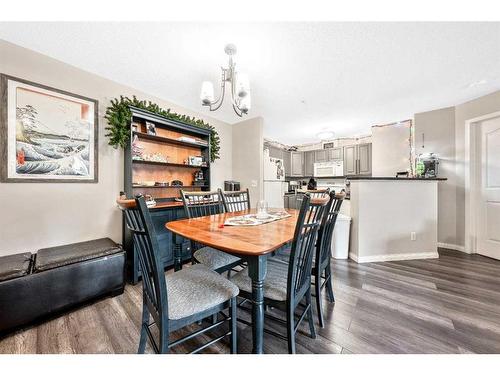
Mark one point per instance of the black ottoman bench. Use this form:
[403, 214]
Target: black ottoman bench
[36, 286]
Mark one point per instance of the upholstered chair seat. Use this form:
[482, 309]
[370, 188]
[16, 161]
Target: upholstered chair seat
[215, 259]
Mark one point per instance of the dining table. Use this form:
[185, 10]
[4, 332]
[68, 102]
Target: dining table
[253, 243]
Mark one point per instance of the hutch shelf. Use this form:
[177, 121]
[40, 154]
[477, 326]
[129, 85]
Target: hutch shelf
[143, 171]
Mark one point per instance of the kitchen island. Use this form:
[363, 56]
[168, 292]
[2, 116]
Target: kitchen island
[393, 218]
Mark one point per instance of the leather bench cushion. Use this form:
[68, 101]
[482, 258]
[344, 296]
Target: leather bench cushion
[16, 265]
[58, 256]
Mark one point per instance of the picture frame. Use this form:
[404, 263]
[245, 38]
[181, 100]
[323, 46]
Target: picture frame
[47, 135]
[150, 128]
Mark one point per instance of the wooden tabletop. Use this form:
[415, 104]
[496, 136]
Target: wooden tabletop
[241, 240]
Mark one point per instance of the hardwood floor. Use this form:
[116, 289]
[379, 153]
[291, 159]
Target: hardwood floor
[445, 305]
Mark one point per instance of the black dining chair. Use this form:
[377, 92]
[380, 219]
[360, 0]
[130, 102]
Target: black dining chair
[178, 299]
[197, 204]
[287, 284]
[322, 265]
[236, 200]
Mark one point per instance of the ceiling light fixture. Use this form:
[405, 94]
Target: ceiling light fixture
[239, 83]
[325, 134]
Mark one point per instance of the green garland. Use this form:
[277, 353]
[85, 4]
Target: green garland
[118, 115]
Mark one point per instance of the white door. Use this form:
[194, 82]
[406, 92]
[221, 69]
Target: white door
[488, 210]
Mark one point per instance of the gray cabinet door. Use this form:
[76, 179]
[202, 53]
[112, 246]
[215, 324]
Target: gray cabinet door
[286, 201]
[365, 159]
[287, 163]
[309, 163]
[275, 152]
[336, 153]
[350, 160]
[292, 202]
[297, 161]
[320, 156]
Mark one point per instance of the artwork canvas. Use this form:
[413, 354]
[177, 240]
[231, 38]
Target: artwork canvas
[48, 135]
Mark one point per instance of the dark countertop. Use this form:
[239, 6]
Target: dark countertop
[355, 178]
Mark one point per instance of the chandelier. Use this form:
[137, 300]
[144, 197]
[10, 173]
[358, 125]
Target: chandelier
[239, 85]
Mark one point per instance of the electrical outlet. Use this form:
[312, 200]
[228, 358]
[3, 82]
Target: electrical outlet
[254, 183]
[413, 236]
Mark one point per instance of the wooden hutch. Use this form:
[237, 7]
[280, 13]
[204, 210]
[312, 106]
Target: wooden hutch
[160, 165]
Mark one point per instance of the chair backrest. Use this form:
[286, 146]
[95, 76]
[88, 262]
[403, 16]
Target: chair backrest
[236, 200]
[323, 245]
[202, 203]
[139, 222]
[303, 245]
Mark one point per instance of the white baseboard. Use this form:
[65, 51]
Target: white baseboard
[452, 247]
[393, 257]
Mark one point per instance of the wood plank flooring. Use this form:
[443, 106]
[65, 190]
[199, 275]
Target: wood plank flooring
[445, 305]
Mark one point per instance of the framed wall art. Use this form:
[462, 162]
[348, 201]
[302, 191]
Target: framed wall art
[46, 134]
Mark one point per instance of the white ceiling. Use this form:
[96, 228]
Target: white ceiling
[305, 77]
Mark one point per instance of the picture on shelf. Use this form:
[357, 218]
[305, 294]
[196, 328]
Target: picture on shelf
[151, 128]
[49, 135]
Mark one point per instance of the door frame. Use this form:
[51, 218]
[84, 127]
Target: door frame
[471, 180]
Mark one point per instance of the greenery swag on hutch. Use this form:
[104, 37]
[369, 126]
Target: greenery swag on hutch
[118, 116]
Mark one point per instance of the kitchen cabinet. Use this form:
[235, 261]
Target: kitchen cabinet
[336, 153]
[275, 152]
[320, 156]
[287, 163]
[358, 159]
[290, 201]
[309, 163]
[365, 159]
[297, 164]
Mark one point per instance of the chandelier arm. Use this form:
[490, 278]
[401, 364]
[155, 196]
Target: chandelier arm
[237, 110]
[214, 106]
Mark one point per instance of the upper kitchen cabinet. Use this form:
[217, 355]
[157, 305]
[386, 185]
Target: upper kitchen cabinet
[365, 159]
[287, 163]
[320, 156]
[358, 159]
[275, 152]
[309, 163]
[297, 164]
[336, 153]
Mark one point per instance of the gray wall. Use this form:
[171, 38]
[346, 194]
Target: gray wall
[248, 143]
[36, 215]
[463, 112]
[438, 128]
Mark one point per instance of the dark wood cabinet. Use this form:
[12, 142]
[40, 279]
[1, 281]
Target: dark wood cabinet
[170, 142]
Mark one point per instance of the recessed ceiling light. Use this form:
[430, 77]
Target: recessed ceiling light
[325, 134]
[477, 83]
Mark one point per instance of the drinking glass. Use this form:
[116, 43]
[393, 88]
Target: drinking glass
[262, 207]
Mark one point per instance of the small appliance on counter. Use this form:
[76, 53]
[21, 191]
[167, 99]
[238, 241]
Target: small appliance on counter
[232, 186]
[293, 186]
[427, 165]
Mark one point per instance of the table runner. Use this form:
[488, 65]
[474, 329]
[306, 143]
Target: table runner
[251, 219]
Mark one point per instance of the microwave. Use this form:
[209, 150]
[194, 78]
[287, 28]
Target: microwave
[329, 169]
